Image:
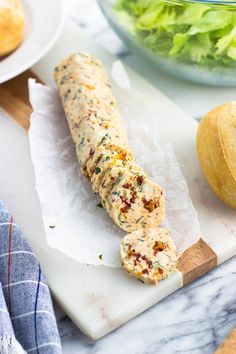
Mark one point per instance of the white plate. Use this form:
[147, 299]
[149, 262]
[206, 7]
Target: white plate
[43, 24]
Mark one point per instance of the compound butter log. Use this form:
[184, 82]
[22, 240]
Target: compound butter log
[134, 201]
[91, 110]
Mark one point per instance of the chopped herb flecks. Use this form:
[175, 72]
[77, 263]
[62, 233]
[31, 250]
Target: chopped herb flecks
[137, 221]
[81, 142]
[97, 170]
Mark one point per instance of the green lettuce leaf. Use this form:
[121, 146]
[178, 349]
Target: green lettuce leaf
[212, 20]
[189, 32]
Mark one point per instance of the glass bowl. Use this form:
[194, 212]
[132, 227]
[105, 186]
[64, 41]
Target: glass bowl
[192, 40]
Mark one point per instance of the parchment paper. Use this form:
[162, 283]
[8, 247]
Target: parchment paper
[74, 222]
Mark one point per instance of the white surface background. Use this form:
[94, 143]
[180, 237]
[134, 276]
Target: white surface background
[196, 318]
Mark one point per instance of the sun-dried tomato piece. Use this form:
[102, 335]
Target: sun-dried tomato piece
[139, 180]
[133, 199]
[123, 155]
[145, 271]
[159, 246]
[127, 185]
[137, 256]
[149, 263]
[149, 205]
[124, 210]
[127, 204]
[133, 195]
[130, 251]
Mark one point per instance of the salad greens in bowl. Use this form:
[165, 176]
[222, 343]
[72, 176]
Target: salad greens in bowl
[194, 40]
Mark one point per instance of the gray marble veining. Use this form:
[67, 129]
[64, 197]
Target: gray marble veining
[195, 320]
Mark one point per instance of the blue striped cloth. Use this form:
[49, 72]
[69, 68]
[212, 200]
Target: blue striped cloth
[27, 321]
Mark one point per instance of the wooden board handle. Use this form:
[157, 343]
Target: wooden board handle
[14, 98]
[196, 261]
[229, 345]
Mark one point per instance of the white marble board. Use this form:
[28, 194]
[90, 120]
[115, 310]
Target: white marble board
[99, 299]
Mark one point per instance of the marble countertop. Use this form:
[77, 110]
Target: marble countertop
[197, 318]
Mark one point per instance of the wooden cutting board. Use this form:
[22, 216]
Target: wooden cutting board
[14, 98]
[98, 309]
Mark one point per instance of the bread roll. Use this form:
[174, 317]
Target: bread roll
[216, 146]
[11, 25]
[133, 201]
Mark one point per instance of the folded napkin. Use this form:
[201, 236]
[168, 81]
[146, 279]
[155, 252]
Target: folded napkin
[27, 321]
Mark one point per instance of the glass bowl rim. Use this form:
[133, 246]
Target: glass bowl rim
[207, 2]
[178, 2]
